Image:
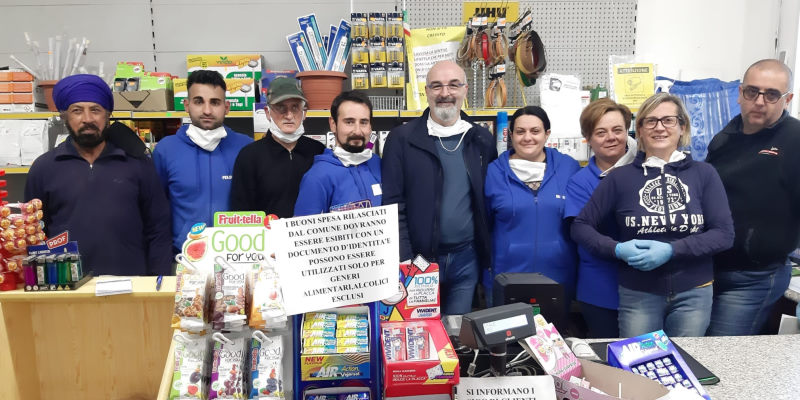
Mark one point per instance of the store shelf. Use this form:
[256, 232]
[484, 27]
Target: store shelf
[15, 169]
[28, 115]
[492, 112]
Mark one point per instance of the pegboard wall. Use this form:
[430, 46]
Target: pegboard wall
[578, 37]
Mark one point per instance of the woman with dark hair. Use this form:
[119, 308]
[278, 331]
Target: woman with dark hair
[525, 194]
[672, 215]
[604, 124]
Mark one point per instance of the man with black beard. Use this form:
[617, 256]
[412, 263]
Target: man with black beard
[349, 176]
[106, 195]
[433, 169]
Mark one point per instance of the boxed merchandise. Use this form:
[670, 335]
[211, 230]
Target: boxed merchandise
[418, 359]
[308, 25]
[340, 48]
[129, 69]
[653, 356]
[240, 94]
[230, 66]
[269, 76]
[330, 341]
[577, 379]
[144, 100]
[16, 91]
[418, 293]
[301, 52]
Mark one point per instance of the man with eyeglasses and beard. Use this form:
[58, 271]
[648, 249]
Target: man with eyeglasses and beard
[267, 172]
[756, 156]
[105, 194]
[349, 176]
[433, 169]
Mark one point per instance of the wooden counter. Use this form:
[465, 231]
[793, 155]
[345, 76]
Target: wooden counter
[75, 345]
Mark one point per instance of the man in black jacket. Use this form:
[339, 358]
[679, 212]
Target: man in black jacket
[756, 156]
[433, 169]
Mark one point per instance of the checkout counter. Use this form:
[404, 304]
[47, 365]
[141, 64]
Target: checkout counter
[75, 345]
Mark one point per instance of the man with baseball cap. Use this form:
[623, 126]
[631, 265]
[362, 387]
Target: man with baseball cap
[196, 163]
[101, 187]
[267, 173]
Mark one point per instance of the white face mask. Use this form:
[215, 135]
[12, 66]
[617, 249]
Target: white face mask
[627, 158]
[206, 140]
[435, 129]
[347, 158]
[527, 171]
[286, 137]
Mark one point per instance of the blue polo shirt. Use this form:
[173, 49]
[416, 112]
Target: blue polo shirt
[597, 277]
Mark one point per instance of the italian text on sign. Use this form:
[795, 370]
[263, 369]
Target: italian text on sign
[338, 259]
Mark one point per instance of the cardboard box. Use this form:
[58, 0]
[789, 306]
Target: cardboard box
[435, 374]
[240, 94]
[609, 380]
[143, 100]
[231, 66]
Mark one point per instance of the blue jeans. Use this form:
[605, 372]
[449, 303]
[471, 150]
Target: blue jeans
[458, 277]
[744, 299]
[602, 322]
[679, 314]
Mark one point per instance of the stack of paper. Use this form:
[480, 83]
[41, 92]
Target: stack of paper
[113, 286]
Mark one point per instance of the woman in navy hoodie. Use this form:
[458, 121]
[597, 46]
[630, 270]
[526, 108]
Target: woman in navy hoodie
[525, 194]
[672, 215]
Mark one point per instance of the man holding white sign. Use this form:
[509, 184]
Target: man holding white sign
[349, 176]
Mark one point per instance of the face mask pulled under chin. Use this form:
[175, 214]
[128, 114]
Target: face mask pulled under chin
[286, 137]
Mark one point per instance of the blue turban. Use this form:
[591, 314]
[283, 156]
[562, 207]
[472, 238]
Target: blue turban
[82, 87]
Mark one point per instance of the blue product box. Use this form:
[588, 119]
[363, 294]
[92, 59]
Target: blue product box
[654, 356]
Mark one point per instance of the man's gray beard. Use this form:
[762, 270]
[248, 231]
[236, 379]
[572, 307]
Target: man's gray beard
[446, 114]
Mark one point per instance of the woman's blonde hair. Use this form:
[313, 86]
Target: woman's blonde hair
[654, 101]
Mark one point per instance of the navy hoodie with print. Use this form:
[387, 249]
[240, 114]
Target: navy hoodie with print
[682, 203]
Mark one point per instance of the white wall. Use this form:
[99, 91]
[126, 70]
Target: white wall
[693, 39]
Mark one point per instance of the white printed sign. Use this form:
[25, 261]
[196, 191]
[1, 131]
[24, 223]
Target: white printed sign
[507, 388]
[337, 259]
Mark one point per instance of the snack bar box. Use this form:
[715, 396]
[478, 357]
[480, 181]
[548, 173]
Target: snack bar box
[418, 359]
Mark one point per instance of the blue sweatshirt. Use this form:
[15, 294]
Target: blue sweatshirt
[696, 221]
[597, 276]
[529, 233]
[329, 183]
[197, 182]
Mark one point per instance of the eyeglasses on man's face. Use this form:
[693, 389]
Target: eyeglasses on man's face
[669, 121]
[750, 93]
[452, 86]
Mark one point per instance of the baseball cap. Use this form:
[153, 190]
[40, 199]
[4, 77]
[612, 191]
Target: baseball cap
[284, 88]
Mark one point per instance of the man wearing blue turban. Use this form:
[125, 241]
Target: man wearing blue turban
[100, 186]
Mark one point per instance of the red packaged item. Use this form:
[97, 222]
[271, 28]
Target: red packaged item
[424, 364]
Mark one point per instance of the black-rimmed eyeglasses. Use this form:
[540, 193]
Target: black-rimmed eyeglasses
[750, 93]
[669, 121]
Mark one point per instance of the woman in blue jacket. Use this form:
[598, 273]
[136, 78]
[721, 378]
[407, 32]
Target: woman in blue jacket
[672, 215]
[604, 124]
[525, 193]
